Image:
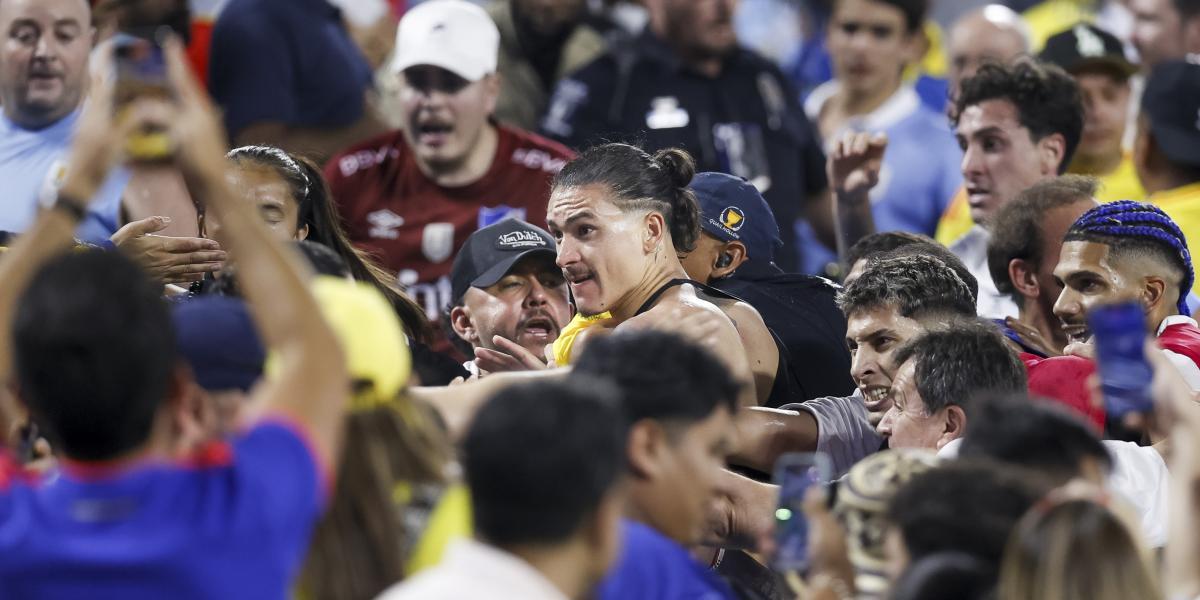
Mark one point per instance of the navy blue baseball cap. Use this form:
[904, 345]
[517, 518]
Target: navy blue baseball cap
[733, 210]
[1171, 102]
[217, 338]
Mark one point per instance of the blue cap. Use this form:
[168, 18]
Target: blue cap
[732, 210]
[217, 338]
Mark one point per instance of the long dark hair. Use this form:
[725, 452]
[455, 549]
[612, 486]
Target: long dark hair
[640, 181]
[312, 194]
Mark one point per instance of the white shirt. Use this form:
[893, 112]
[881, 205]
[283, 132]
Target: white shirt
[972, 250]
[1139, 476]
[472, 570]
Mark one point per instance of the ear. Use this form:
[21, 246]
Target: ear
[460, 320]
[302, 233]
[191, 417]
[655, 231]
[1052, 151]
[646, 445]
[491, 92]
[1023, 278]
[736, 251]
[1154, 291]
[955, 427]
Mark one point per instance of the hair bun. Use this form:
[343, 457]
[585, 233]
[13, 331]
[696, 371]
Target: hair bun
[677, 164]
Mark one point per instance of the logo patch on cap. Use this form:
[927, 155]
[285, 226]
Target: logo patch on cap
[1088, 43]
[732, 218]
[517, 240]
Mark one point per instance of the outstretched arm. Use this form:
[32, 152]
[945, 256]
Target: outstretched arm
[311, 384]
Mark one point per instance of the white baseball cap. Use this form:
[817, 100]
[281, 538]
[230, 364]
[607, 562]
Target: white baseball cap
[455, 35]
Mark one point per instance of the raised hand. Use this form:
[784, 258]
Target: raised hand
[854, 164]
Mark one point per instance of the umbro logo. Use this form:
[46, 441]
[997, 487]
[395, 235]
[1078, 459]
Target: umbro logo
[384, 224]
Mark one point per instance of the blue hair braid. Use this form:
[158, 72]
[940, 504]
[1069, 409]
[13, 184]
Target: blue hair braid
[1138, 220]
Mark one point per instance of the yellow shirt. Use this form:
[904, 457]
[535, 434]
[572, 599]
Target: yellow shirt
[1121, 184]
[565, 342]
[1182, 204]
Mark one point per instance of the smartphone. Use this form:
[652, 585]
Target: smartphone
[795, 473]
[1119, 334]
[141, 71]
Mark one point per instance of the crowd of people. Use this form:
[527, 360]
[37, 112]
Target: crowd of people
[539, 299]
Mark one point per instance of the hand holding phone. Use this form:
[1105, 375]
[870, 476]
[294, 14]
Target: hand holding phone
[1119, 335]
[795, 473]
[141, 72]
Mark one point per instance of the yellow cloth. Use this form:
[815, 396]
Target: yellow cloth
[1055, 16]
[1182, 204]
[1121, 184]
[956, 221]
[449, 521]
[566, 338]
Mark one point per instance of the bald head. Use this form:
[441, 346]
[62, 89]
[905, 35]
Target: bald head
[43, 62]
[993, 33]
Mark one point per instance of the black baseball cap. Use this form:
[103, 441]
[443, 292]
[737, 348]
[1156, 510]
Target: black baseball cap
[1086, 46]
[1171, 102]
[490, 253]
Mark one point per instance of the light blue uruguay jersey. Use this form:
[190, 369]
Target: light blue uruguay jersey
[921, 168]
[32, 163]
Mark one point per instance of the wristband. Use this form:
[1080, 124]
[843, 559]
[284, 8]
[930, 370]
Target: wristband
[74, 207]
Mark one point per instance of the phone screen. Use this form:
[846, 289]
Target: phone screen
[795, 473]
[141, 71]
[1119, 334]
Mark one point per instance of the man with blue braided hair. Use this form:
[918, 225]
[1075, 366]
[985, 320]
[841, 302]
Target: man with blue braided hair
[1131, 249]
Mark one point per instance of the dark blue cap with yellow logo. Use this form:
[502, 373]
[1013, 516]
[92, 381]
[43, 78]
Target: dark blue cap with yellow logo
[733, 210]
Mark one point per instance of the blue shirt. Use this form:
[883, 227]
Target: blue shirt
[286, 61]
[653, 567]
[920, 175]
[32, 163]
[236, 527]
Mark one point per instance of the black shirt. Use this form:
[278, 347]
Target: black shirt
[747, 121]
[802, 310]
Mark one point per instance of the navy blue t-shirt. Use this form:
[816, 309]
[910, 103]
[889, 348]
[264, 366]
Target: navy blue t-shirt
[232, 526]
[286, 61]
[653, 567]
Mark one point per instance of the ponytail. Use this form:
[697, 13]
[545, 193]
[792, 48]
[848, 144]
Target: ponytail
[317, 212]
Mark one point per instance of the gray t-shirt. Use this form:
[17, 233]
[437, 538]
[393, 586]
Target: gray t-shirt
[844, 431]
